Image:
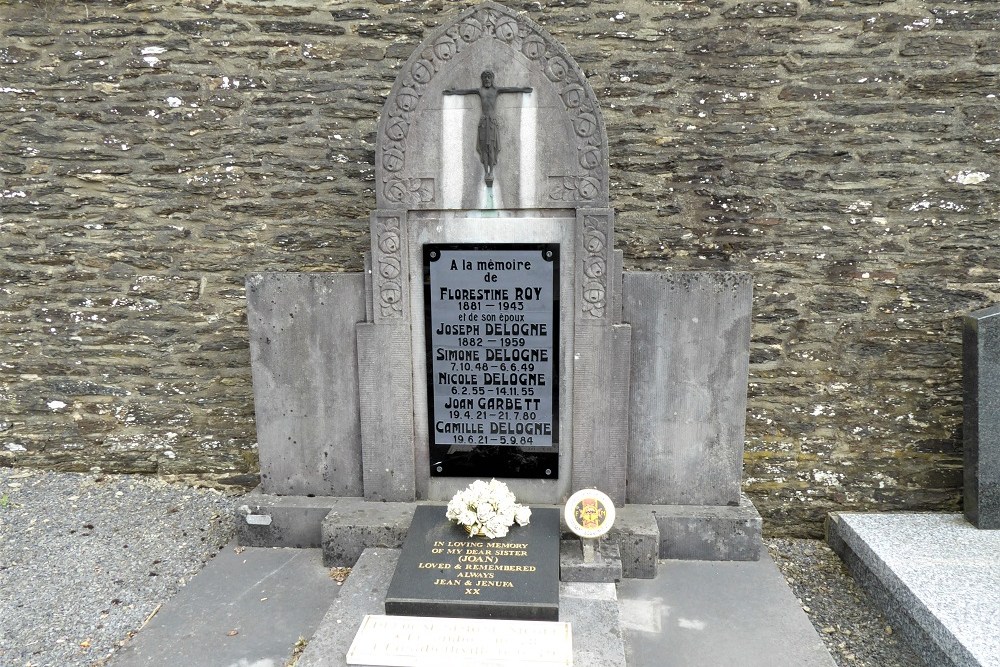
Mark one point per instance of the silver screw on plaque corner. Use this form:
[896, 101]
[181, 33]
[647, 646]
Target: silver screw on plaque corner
[590, 514]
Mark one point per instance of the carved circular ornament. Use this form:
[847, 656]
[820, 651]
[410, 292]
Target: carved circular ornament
[590, 513]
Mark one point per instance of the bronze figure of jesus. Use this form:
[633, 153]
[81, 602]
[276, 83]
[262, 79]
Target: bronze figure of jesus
[488, 137]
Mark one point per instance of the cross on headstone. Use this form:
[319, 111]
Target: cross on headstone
[488, 135]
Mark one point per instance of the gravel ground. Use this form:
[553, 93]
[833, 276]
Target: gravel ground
[850, 624]
[85, 560]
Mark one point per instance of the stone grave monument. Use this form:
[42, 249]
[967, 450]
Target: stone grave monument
[981, 423]
[494, 333]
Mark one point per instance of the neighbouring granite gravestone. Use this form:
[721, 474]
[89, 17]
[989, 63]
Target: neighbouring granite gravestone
[494, 333]
[981, 424]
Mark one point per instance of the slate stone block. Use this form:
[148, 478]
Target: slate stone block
[592, 609]
[304, 361]
[605, 568]
[638, 537]
[281, 521]
[442, 571]
[690, 368]
[699, 532]
[355, 524]
[981, 424]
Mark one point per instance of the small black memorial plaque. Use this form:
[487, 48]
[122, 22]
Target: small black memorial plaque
[444, 572]
[492, 329]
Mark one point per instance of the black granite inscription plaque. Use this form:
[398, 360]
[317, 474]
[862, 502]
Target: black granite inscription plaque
[492, 329]
[444, 572]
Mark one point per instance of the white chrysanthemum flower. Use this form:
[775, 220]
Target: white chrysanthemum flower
[488, 509]
[522, 515]
[455, 507]
[496, 528]
[485, 512]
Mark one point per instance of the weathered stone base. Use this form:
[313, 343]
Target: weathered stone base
[264, 520]
[605, 568]
[708, 532]
[638, 539]
[345, 527]
[355, 524]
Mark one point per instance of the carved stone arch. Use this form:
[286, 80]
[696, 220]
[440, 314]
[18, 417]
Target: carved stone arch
[554, 147]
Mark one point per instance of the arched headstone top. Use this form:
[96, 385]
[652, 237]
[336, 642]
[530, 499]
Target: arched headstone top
[491, 112]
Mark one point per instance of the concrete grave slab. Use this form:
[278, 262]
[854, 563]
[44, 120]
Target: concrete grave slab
[592, 608]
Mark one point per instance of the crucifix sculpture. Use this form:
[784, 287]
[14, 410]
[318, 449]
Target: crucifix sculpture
[488, 136]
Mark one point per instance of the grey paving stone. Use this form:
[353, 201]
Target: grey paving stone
[362, 593]
[933, 574]
[245, 608]
[707, 614]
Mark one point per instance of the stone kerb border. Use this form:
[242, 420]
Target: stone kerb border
[397, 189]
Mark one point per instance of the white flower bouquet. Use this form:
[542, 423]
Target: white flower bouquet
[487, 509]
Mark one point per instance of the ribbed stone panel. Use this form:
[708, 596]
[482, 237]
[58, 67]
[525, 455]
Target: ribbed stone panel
[385, 371]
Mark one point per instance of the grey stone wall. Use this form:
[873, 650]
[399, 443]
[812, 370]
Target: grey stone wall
[153, 154]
